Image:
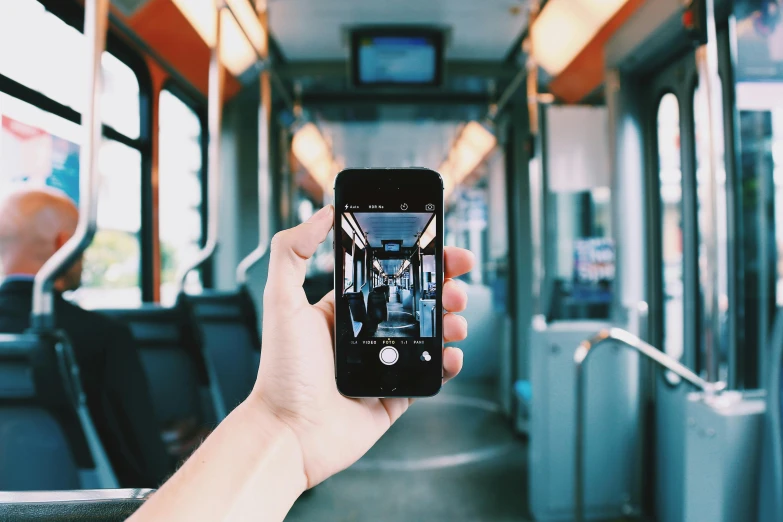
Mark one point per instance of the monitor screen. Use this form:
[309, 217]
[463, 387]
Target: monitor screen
[391, 247]
[403, 59]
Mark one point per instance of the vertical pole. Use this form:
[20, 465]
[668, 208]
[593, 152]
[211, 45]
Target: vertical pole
[579, 449]
[264, 160]
[536, 175]
[264, 155]
[353, 260]
[714, 229]
[214, 117]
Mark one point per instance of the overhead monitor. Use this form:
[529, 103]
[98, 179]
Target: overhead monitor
[391, 247]
[402, 57]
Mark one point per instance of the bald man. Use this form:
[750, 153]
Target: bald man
[34, 224]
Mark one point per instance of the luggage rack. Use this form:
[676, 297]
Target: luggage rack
[625, 338]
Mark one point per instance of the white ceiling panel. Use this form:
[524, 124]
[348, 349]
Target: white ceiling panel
[380, 226]
[391, 266]
[391, 144]
[478, 29]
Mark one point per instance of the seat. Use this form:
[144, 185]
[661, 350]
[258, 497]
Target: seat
[363, 325]
[318, 285]
[406, 298]
[376, 305]
[106, 505]
[170, 348]
[356, 305]
[47, 437]
[231, 342]
[771, 483]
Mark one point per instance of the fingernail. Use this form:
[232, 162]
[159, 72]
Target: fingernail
[321, 214]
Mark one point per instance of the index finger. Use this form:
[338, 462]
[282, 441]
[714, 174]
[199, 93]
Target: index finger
[458, 261]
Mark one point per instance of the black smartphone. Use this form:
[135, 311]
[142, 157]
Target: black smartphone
[388, 280]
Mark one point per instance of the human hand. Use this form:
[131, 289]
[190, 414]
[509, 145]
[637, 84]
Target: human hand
[296, 379]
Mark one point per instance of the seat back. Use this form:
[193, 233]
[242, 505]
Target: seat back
[356, 305]
[170, 349]
[47, 437]
[231, 342]
[317, 286]
[376, 306]
[106, 505]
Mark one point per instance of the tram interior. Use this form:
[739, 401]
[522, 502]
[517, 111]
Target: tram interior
[389, 272]
[615, 166]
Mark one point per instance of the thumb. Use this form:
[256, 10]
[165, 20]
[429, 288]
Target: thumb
[289, 251]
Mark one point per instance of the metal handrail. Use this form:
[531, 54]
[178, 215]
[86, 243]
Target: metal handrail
[628, 339]
[264, 191]
[364, 267]
[215, 116]
[96, 18]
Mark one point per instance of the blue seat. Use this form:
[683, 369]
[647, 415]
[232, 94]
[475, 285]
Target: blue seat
[47, 437]
[228, 325]
[170, 347]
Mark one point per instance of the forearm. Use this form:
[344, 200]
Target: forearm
[250, 467]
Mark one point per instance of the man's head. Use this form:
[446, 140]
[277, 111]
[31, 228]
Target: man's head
[34, 224]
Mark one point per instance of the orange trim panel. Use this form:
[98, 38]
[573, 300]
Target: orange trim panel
[586, 72]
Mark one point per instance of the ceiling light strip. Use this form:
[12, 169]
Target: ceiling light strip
[581, 20]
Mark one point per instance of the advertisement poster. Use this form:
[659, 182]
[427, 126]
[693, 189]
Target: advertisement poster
[759, 39]
[31, 155]
[594, 269]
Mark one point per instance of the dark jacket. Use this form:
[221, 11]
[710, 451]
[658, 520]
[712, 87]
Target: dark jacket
[113, 379]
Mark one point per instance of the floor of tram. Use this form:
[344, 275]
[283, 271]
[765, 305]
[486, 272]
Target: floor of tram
[451, 458]
[400, 322]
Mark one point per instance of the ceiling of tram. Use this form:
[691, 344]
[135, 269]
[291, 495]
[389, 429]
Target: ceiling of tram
[315, 29]
[386, 226]
[391, 143]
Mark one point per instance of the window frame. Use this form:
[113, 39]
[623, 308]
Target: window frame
[73, 15]
[199, 108]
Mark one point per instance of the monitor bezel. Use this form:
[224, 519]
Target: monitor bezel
[435, 35]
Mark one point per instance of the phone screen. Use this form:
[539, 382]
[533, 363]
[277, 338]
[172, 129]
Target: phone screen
[388, 282]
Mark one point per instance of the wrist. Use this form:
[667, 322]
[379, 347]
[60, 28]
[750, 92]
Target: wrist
[251, 464]
[269, 429]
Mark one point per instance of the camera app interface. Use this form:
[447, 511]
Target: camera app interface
[390, 285]
[389, 274]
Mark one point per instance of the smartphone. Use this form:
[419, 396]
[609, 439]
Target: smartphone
[388, 281]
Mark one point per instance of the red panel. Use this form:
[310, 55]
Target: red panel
[164, 28]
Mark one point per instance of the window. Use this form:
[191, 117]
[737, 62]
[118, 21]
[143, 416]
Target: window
[49, 57]
[180, 193]
[670, 184]
[43, 95]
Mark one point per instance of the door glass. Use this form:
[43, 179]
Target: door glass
[670, 183]
[759, 94]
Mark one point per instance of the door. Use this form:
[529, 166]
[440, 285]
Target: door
[690, 198]
[674, 288]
